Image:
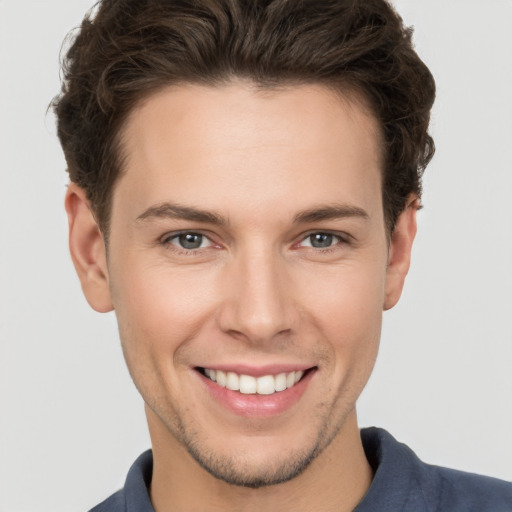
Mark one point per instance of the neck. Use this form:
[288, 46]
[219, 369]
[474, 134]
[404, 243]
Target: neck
[335, 481]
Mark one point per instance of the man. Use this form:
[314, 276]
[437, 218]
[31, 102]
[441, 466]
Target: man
[245, 178]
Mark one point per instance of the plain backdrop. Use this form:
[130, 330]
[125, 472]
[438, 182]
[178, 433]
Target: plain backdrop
[71, 422]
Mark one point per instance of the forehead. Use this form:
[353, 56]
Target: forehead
[237, 145]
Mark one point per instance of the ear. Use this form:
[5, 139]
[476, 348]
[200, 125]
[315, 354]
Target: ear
[88, 251]
[400, 252]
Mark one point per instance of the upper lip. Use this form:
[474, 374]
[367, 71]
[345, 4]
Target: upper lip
[258, 371]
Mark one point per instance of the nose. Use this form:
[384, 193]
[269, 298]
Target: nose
[258, 301]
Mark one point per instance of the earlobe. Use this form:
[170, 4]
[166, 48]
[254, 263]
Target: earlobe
[400, 249]
[87, 248]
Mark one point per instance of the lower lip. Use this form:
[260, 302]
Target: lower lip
[258, 406]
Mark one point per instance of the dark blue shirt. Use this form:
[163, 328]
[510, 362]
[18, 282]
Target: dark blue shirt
[402, 483]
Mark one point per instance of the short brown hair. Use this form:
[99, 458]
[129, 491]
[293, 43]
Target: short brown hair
[131, 48]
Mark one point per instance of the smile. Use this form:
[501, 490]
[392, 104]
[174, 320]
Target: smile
[249, 385]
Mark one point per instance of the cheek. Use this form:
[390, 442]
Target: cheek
[352, 295]
[157, 309]
[347, 310]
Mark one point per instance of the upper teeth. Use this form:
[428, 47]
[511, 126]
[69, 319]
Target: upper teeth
[248, 384]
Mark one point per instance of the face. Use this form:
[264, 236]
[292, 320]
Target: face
[249, 267]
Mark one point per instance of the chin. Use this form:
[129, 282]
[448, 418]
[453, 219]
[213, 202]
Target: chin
[239, 471]
[255, 462]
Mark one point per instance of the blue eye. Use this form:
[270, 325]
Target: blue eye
[320, 240]
[189, 241]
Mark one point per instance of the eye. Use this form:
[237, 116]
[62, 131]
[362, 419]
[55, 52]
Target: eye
[189, 241]
[321, 240]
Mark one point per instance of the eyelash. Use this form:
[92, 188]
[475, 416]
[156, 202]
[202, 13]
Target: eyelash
[342, 239]
[166, 241]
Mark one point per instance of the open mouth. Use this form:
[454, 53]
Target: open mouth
[249, 385]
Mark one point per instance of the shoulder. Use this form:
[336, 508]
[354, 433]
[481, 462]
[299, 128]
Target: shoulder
[457, 490]
[116, 503]
[135, 494]
[403, 482]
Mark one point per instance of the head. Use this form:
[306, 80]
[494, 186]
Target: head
[131, 49]
[254, 169]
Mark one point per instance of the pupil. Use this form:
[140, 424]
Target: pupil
[191, 241]
[321, 240]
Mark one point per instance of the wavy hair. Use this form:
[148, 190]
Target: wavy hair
[127, 49]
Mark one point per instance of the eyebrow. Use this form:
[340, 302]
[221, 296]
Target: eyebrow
[333, 212]
[176, 211]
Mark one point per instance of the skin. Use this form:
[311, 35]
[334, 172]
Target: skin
[255, 292]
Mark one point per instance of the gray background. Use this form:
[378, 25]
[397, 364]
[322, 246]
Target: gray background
[71, 421]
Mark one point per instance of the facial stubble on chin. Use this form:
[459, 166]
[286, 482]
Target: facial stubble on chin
[233, 471]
